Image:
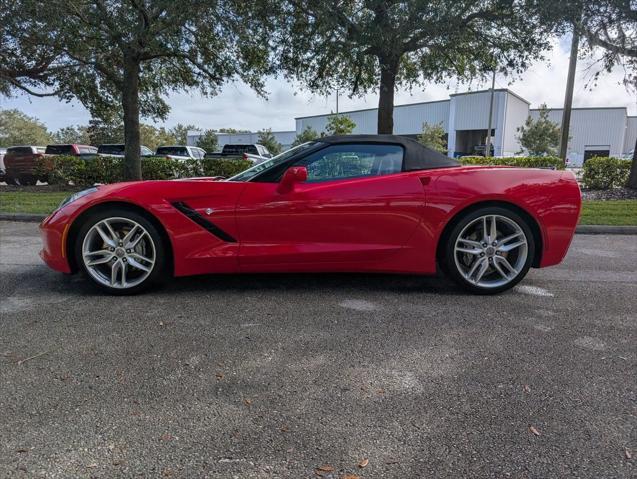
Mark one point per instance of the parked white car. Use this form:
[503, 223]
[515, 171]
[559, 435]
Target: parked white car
[181, 152]
[2, 169]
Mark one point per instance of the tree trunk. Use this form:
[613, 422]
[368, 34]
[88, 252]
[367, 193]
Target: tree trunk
[130, 104]
[388, 72]
[632, 177]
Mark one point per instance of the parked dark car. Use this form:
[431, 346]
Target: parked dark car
[71, 150]
[117, 150]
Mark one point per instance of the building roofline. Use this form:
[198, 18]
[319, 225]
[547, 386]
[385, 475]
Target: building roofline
[588, 108]
[497, 89]
[369, 109]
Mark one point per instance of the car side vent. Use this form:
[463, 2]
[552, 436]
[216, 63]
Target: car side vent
[203, 222]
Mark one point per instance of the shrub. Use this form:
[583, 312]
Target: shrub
[603, 173]
[107, 169]
[520, 162]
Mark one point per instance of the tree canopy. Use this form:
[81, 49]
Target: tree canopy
[16, 128]
[377, 45]
[308, 134]
[433, 136]
[120, 58]
[339, 125]
[267, 139]
[208, 141]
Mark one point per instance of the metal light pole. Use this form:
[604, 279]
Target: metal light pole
[568, 97]
[487, 146]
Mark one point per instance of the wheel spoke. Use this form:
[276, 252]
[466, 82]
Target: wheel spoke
[114, 270]
[129, 236]
[95, 262]
[507, 265]
[140, 257]
[511, 246]
[494, 229]
[108, 240]
[136, 264]
[496, 264]
[485, 237]
[123, 283]
[473, 251]
[475, 244]
[476, 264]
[509, 238]
[482, 270]
[112, 232]
[135, 242]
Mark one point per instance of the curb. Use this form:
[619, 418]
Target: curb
[21, 217]
[581, 229]
[605, 230]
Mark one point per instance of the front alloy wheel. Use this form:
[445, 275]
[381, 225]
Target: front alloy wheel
[490, 250]
[120, 252]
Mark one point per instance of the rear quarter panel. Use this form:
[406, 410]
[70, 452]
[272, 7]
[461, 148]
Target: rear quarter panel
[551, 198]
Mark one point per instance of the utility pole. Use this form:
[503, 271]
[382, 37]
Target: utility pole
[487, 146]
[337, 101]
[568, 97]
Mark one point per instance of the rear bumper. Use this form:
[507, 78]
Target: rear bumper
[53, 251]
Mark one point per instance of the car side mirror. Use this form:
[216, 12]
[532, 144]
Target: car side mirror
[292, 176]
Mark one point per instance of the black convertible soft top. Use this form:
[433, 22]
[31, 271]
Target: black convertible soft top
[417, 156]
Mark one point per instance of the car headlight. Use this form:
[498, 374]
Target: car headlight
[77, 196]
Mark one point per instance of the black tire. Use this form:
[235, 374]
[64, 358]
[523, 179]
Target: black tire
[12, 181]
[450, 266]
[159, 272]
[27, 180]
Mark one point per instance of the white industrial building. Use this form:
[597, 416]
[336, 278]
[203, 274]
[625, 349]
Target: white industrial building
[465, 117]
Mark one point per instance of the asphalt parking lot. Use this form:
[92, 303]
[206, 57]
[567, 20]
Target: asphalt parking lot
[267, 376]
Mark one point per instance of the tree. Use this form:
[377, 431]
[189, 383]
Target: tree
[208, 141]
[433, 136]
[119, 57]
[377, 45]
[180, 132]
[611, 25]
[72, 134]
[16, 128]
[105, 132]
[540, 137]
[267, 139]
[308, 134]
[152, 137]
[339, 125]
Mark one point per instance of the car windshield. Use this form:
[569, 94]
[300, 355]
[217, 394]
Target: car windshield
[172, 151]
[250, 173]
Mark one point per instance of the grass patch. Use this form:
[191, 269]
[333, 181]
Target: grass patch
[614, 212]
[594, 212]
[31, 202]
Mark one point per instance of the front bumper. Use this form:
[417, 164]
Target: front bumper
[54, 233]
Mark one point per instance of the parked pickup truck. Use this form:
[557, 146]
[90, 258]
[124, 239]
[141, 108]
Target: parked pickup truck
[20, 161]
[254, 152]
[181, 152]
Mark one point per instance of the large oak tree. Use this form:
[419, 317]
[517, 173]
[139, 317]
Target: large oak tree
[377, 45]
[121, 57]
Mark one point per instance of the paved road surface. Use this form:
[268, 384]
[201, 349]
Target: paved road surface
[266, 376]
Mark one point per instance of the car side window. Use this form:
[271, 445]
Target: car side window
[353, 161]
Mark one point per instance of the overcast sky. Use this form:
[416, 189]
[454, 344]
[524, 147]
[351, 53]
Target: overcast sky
[239, 107]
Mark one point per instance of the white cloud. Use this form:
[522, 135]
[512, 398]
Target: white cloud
[239, 107]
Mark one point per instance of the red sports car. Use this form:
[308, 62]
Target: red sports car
[364, 203]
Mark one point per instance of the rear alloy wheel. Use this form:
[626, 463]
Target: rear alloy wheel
[489, 250]
[120, 252]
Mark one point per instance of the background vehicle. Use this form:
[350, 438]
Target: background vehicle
[117, 150]
[255, 152]
[84, 151]
[181, 152]
[364, 203]
[2, 170]
[20, 162]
